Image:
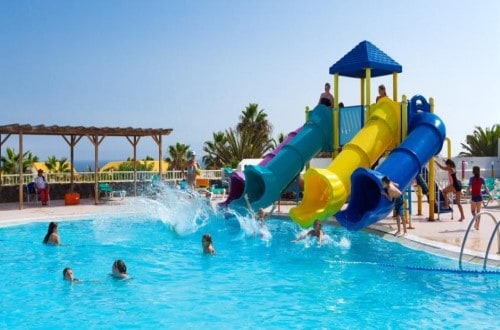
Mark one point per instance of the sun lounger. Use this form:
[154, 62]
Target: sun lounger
[105, 189]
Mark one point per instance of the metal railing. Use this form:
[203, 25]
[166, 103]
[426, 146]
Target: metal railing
[496, 231]
[111, 176]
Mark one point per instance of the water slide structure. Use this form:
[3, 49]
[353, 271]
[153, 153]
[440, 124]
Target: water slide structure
[264, 183]
[425, 139]
[422, 180]
[326, 190]
[237, 178]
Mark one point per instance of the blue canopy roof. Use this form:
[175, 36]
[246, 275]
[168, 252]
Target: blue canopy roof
[365, 55]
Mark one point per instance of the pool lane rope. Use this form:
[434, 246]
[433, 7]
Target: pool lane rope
[422, 268]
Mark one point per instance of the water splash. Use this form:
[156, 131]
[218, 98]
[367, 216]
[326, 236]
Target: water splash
[249, 225]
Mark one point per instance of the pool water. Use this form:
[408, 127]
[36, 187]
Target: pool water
[257, 279]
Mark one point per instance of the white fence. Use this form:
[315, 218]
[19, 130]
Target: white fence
[111, 176]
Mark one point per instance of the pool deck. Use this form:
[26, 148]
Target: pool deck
[443, 236]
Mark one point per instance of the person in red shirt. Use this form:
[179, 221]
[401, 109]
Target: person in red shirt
[476, 185]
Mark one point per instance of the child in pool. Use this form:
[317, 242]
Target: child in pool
[52, 237]
[317, 231]
[119, 269]
[206, 243]
[68, 275]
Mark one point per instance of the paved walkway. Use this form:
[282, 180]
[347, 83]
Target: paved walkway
[443, 236]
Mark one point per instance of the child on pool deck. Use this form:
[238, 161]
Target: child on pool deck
[476, 184]
[393, 194]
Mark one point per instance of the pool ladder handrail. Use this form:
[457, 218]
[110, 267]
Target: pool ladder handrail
[495, 230]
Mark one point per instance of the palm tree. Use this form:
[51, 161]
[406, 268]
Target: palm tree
[254, 119]
[230, 147]
[280, 139]
[250, 139]
[178, 156]
[213, 149]
[482, 143]
[10, 162]
[57, 166]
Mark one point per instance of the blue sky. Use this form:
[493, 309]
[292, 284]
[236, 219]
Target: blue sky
[193, 66]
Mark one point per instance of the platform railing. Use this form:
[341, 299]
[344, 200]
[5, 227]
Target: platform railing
[109, 176]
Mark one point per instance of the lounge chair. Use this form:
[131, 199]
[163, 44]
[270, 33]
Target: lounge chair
[33, 195]
[105, 189]
[493, 186]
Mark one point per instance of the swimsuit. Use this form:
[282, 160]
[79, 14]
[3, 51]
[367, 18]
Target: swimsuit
[457, 185]
[475, 185]
[325, 101]
[190, 178]
[399, 205]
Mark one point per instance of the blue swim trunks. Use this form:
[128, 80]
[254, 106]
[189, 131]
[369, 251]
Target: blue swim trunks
[399, 206]
[477, 198]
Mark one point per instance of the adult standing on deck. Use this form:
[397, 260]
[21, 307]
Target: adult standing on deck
[42, 187]
[192, 170]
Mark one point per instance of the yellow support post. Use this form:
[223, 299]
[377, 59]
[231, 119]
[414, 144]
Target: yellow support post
[395, 86]
[404, 118]
[419, 200]
[308, 164]
[335, 131]
[362, 89]
[368, 75]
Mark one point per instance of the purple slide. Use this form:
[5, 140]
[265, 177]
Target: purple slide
[237, 178]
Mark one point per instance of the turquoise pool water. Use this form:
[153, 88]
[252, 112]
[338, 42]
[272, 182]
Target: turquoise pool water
[354, 280]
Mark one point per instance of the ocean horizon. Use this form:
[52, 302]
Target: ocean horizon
[84, 165]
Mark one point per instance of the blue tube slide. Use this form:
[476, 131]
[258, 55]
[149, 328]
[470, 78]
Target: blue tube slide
[264, 184]
[366, 204]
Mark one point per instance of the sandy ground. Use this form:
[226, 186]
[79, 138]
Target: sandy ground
[444, 236]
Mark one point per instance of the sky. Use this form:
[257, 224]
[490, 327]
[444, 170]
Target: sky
[194, 66]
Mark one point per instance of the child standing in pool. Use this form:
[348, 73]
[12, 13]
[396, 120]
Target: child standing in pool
[52, 237]
[476, 184]
[206, 243]
[393, 194]
[317, 231]
[119, 270]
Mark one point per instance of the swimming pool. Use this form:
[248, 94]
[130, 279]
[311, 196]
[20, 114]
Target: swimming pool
[354, 280]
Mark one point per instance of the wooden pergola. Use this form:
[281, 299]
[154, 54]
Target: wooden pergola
[72, 135]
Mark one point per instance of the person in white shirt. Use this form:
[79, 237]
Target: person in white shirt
[42, 187]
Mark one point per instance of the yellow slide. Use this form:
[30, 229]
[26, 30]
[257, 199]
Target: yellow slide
[326, 190]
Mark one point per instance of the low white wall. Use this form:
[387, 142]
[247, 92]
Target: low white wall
[465, 164]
